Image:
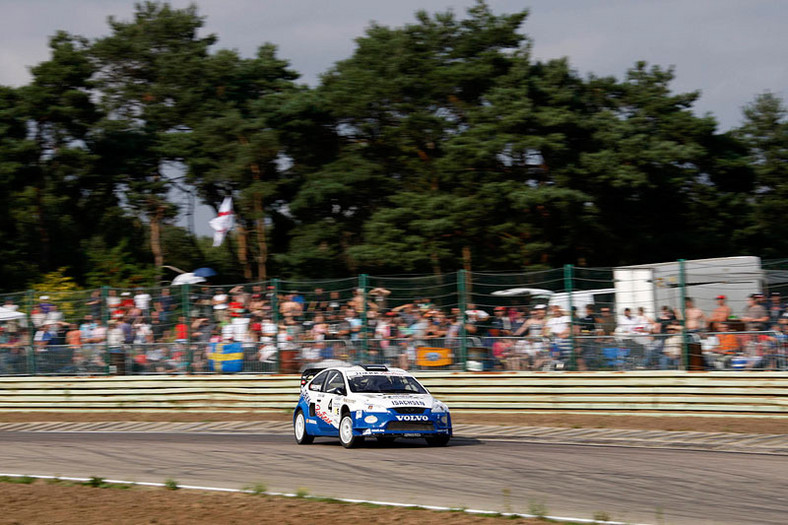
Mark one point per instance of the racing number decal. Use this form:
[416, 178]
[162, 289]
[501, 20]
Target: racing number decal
[330, 404]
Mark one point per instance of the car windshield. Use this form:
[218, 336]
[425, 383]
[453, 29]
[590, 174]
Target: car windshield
[385, 384]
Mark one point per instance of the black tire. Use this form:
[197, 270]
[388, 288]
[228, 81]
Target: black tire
[440, 440]
[299, 430]
[346, 436]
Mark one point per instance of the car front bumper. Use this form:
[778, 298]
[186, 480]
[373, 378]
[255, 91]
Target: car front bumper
[389, 423]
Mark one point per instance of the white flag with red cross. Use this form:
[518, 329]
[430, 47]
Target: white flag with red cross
[223, 222]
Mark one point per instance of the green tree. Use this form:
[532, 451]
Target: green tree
[765, 134]
[150, 73]
[235, 144]
[397, 104]
[642, 167]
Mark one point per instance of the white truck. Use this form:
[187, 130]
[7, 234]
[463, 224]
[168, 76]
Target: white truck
[655, 285]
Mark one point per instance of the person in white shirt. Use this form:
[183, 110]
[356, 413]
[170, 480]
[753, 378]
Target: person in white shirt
[627, 323]
[558, 324]
[142, 301]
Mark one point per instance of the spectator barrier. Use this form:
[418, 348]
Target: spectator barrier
[708, 351]
[664, 392]
[476, 321]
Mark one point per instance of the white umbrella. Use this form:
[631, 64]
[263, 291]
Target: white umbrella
[188, 278]
[536, 292]
[6, 314]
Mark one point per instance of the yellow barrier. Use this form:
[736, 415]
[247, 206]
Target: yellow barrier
[761, 393]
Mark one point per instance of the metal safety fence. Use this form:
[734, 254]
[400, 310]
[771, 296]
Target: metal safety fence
[571, 318]
[710, 351]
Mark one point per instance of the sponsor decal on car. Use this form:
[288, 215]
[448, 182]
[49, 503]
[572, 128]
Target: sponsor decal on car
[412, 418]
[408, 402]
[323, 415]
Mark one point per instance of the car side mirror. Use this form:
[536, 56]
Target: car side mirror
[340, 391]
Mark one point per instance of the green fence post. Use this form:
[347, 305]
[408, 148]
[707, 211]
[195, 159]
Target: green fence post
[105, 313]
[186, 306]
[568, 282]
[684, 334]
[462, 300]
[275, 317]
[364, 333]
[32, 365]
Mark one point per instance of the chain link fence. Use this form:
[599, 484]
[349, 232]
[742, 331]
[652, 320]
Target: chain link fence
[725, 314]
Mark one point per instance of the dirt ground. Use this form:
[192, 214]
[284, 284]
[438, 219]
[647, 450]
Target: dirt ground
[47, 502]
[752, 425]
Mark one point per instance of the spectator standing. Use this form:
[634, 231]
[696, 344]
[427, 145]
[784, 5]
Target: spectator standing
[113, 302]
[94, 303]
[126, 301]
[115, 341]
[588, 329]
[290, 308]
[220, 305]
[755, 315]
[142, 301]
[157, 327]
[500, 324]
[627, 323]
[696, 319]
[205, 302]
[379, 296]
[606, 321]
[164, 305]
[54, 316]
[558, 324]
[721, 313]
[74, 338]
[181, 330]
[775, 308]
[44, 305]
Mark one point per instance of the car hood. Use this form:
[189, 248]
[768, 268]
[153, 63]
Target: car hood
[397, 400]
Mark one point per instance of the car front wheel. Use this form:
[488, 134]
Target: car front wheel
[346, 436]
[299, 429]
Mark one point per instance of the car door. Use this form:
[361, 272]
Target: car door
[318, 404]
[335, 391]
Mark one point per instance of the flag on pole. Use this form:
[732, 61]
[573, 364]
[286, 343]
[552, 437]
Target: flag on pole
[223, 222]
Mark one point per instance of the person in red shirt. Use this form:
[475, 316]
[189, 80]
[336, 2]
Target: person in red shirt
[181, 330]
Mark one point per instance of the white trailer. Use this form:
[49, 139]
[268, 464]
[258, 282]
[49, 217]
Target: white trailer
[655, 285]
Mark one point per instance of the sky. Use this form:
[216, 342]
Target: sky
[729, 50]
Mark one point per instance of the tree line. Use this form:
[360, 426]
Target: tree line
[439, 145]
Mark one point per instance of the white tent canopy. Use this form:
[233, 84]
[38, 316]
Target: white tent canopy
[188, 278]
[6, 314]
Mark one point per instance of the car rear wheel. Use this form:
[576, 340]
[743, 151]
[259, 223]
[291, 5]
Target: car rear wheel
[441, 440]
[299, 429]
[346, 436]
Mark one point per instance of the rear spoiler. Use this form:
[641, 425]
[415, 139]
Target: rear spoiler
[308, 374]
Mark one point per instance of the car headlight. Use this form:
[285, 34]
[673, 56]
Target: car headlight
[439, 407]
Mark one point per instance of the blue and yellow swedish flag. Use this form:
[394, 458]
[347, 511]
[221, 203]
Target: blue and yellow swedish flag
[226, 357]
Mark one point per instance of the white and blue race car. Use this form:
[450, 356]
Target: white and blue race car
[355, 402]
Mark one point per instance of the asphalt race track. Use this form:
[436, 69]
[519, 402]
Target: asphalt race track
[636, 485]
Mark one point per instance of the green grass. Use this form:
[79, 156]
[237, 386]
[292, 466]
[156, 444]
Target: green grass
[171, 484]
[257, 489]
[22, 480]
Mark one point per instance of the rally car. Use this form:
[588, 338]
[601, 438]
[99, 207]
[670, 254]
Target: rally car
[354, 402]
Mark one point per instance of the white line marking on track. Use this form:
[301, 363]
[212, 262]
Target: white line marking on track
[345, 500]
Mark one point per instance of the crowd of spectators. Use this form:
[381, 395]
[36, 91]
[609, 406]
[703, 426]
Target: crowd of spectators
[135, 332]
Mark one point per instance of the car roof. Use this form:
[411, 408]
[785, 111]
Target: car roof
[309, 374]
[364, 369]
